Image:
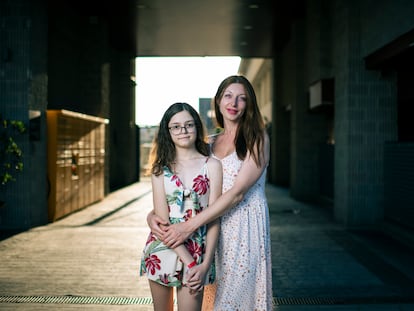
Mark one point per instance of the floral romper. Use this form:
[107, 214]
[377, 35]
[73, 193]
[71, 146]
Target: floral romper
[160, 263]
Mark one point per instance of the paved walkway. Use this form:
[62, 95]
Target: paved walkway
[89, 260]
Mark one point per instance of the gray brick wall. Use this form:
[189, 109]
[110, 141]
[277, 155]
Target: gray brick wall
[365, 106]
[331, 40]
[23, 88]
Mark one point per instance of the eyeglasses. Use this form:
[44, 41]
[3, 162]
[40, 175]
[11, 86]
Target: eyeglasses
[176, 129]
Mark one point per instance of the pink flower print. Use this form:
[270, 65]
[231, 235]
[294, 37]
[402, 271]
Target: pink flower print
[176, 179]
[178, 275]
[194, 248]
[164, 278]
[200, 209]
[201, 184]
[150, 239]
[152, 263]
[188, 214]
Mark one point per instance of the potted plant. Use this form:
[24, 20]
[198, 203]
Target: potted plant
[10, 152]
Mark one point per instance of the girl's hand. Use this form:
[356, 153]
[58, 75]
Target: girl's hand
[156, 225]
[176, 234]
[196, 279]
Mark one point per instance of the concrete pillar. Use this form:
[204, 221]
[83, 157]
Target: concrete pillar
[124, 147]
[306, 132]
[365, 115]
[23, 92]
[279, 173]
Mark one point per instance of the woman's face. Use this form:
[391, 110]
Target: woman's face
[182, 129]
[233, 102]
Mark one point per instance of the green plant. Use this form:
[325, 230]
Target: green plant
[10, 152]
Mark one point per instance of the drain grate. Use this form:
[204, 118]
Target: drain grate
[304, 301]
[70, 299]
[341, 300]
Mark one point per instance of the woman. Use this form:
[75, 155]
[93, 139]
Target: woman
[243, 256]
[185, 180]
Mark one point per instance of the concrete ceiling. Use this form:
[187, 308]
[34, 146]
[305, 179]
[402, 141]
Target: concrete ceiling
[243, 28]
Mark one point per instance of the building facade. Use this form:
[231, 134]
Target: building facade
[337, 97]
[342, 101]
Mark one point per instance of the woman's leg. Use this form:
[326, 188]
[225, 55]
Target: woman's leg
[208, 298]
[162, 296]
[187, 301]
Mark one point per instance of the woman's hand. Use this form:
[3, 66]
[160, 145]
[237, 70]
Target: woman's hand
[176, 234]
[157, 225]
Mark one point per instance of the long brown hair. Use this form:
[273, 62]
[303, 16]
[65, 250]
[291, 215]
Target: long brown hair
[251, 127]
[163, 149]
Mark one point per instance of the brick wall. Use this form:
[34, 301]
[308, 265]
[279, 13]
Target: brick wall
[23, 89]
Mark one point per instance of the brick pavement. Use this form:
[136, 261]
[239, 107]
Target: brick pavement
[319, 263]
[91, 259]
[94, 252]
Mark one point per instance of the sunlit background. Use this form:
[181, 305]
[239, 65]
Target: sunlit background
[162, 81]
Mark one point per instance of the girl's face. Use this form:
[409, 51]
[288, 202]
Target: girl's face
[182, 129]
[233, 102]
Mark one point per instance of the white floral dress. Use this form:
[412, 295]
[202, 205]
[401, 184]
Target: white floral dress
[243, 257]
[160, 263]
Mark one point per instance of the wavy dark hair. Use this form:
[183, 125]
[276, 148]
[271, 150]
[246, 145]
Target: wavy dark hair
[251, 127]
[163, 149]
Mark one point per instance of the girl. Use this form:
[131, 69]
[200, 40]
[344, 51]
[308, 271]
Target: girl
[184, 182]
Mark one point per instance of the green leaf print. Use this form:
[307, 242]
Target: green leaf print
[155, 246]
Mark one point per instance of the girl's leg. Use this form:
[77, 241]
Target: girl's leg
[187, 301]
[162, 296]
